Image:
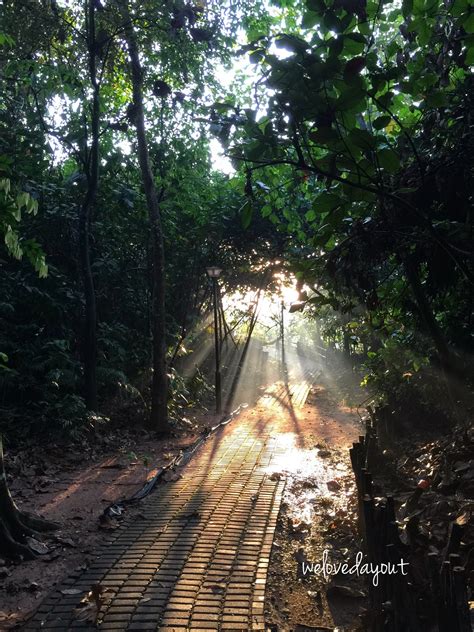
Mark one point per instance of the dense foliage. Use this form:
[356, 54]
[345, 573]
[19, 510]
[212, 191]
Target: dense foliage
[353, 152]
[368, 124]
[47, 135]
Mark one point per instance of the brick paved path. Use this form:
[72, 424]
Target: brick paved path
[197, 558]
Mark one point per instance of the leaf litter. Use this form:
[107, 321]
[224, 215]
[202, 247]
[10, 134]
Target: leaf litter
[318, 513]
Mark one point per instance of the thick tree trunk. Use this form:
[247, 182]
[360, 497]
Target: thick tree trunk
[159, 392]
[86, 211]
[15, 525]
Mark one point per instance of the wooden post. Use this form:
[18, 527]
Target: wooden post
[460, 599]
[454, 539]
[368, 508]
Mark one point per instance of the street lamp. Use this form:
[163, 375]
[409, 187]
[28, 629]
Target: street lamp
[213, 272]
[282, 335]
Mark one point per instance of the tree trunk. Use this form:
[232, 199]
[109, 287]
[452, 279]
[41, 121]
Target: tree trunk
[15, 525]
[426, 313]
[89, 351]
[159, 391]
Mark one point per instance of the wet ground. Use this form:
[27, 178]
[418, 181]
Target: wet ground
[317, 518]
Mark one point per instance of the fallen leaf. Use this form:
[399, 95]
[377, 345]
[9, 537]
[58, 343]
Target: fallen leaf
[345, 591]
[88, 609]
[461, 466]
[71, 591]
[301, 627]
[300, 556]
[65, 541]
[463, 519]
[107, 523]
[170, 476]
[37, 547]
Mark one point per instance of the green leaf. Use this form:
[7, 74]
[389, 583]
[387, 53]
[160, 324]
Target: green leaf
[468, 24]
[5, 185]
[316, 5]
[256, 56]
[12, 243]
[21, 199]
[365, 28]
[352, 97]
[291, 43]
[356, 194]
[381, 122]
[436, 99]
[310, 19]
[406, 190]
[256, 150]
[354, 44]
[6, 40]
[323, 135]
[326, 202]
[319, 300]
[459, 7]
[353, 68]
[407, 8]
[362, 138]
[388, 160]
[424, 31]
[470, 56]
[332, 22]
[246, 213]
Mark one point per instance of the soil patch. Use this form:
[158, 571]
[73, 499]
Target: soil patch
[72, 485]
[318, 518]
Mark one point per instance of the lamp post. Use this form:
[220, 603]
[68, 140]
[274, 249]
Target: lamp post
[213, 272]
[282, 334]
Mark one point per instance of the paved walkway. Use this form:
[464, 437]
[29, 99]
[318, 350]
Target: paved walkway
[197, 556]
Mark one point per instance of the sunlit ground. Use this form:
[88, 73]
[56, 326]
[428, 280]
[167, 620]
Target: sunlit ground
[311, 432]
[277, 371]
[277, 375]
[282, 342]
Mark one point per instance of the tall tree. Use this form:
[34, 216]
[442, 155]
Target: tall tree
[159, 391]
[91, 166]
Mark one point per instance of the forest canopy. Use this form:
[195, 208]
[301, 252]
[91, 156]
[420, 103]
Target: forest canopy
[348, 124]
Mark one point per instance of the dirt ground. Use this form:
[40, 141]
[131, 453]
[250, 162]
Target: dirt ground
[72, 488]
[318, 514]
